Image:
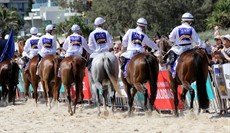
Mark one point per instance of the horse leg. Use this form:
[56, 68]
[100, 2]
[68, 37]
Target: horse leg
[127, 88]
[98, 102]
[67, 92]
[56, 91]
[105, 98]
[45, 92]
[174, 86]
[77, 93]
[153, 94]
[35, 88]
[26, 85]
[187, 87]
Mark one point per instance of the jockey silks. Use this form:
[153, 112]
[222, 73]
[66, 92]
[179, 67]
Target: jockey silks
[47, 45]
[31, 47]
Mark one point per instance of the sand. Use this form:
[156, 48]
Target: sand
[24, 117]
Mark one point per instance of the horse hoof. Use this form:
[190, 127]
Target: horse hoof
[99, 113]
[71, 114]
[130, 114]
[148, 113]
[106, 113]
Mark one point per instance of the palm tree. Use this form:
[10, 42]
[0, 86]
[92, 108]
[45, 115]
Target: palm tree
[9, 19]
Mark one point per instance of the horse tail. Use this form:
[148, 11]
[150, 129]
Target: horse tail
[152, 65]
[108, 68]
[200, 81]
[55, 63]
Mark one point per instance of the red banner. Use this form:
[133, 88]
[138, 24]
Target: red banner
[86, 88]
[165, 97]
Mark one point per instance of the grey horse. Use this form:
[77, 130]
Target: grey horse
[104, 72]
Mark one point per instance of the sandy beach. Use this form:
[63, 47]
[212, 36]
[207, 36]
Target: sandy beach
[24, 117]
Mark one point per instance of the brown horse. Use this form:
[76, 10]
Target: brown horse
[9, 72]
[48, 73]
[72, 72]
[30, 77]
[142, 68]
[192, 66]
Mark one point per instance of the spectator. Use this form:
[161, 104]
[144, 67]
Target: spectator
[226, 49]
[208, 46]
[117, 49]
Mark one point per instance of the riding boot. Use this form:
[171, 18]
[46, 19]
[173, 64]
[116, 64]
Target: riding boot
[171, 58]
[26, 59]
[39, 57]
[123, 63]
[89, 64]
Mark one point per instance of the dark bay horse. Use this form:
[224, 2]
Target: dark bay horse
[104, 72]
[142, 68]
[72, 72]
[9, 72]
[192, 66]
[48, 73]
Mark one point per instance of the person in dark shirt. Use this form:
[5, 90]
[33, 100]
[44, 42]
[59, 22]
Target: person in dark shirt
[2, 41]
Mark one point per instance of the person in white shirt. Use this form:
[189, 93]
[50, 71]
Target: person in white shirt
[134, 40]
[47, 43]
[99, 40]
[183, 36]
[31, 46]
[74, 43]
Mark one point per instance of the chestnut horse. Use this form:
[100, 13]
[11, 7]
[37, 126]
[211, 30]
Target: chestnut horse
[104, 72]
[9, 72]
[142, 68]
[30, 77]
[48, 73]
[192, 66]
[72, 72]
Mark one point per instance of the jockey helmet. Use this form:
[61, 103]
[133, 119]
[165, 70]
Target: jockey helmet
[142, 22]
[98, 21]
[50, 27]
[75, 27]
[33, 30]
[187, 17]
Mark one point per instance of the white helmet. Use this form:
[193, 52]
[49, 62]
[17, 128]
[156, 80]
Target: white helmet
[75, 27]
[50, 27]
[187, 17]
[142, 22]
[98, 21]
[33, 30]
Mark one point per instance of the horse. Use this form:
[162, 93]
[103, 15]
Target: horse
[72, 72]
[142, 68]
[30, 77]
[48, 73]
[9, 72]
[192, 66]
[104, 72]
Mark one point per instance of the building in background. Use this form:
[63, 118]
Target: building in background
[45, 12]
[19, 5]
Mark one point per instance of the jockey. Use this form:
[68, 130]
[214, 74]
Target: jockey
[74, 43]
[31, 45]
[47, 43]
[134, 40]
[183, 36]
[99, 40]
[2, 41]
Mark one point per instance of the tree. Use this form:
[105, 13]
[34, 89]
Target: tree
[76, 5]
[9, 19]
[30, 3]
[220, 15]
[64, 27]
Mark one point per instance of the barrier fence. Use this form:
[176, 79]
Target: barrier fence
[218, 91]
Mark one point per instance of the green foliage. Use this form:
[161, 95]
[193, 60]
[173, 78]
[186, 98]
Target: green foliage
[220, 15]
[65, 27]
[162, 15]
[9, 19]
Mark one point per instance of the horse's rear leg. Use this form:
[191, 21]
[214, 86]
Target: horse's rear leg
[187, 87]
[35, 88]
[77, 93]
[153, 94]
[105, 98]
[26, 86]
[98, 102]
[174, 86]
[67, 92]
